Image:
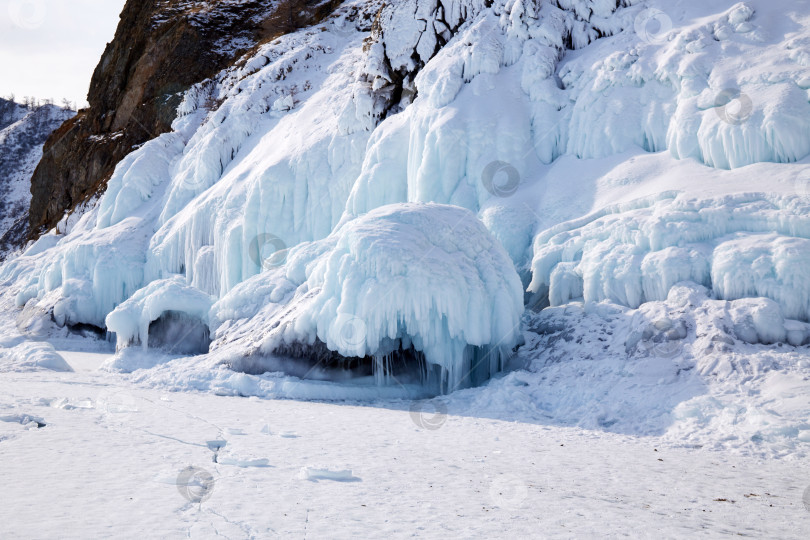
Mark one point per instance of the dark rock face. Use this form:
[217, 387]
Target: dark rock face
[160, 49]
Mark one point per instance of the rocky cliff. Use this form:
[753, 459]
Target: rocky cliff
[161, 48]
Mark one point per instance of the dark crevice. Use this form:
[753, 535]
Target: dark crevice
[179, 333]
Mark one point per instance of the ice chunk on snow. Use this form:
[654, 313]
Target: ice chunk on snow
[796, 333]
[131, 320]
[766, 265]
[314, 474]
[284, 104]
[758, 320]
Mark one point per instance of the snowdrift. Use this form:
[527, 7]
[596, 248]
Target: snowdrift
[697, 371]
[31, 356]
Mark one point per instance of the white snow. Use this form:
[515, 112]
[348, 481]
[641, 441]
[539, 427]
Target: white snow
[121, 450]
[23, 132]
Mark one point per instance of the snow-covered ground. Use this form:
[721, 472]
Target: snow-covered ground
[109, 458]
[671, 440]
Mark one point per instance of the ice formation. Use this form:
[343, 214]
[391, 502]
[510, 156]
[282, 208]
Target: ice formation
[746, 245]
[698, 370]
[167, 299]
[414, 276]
[523, 113]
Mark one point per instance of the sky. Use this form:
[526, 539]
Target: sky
[49, 48]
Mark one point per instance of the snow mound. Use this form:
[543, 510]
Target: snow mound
[745, 245]
[415, 276]
[690, 369]
[32, 356]
[168, 300]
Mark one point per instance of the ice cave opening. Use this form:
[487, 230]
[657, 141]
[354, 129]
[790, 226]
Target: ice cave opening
[179, 333]
[89, 331]
[396, 363]
[401, 365]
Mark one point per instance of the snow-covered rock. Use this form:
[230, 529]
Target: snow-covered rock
[23, 132]
[417, 276]
[181, 305]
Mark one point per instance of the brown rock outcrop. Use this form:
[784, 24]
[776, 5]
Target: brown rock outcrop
[160, 49]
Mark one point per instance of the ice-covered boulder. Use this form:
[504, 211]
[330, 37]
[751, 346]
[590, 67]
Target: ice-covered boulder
[426, 278]
[745, 245]
[758, 320]
[769, 265]
[167, 313]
